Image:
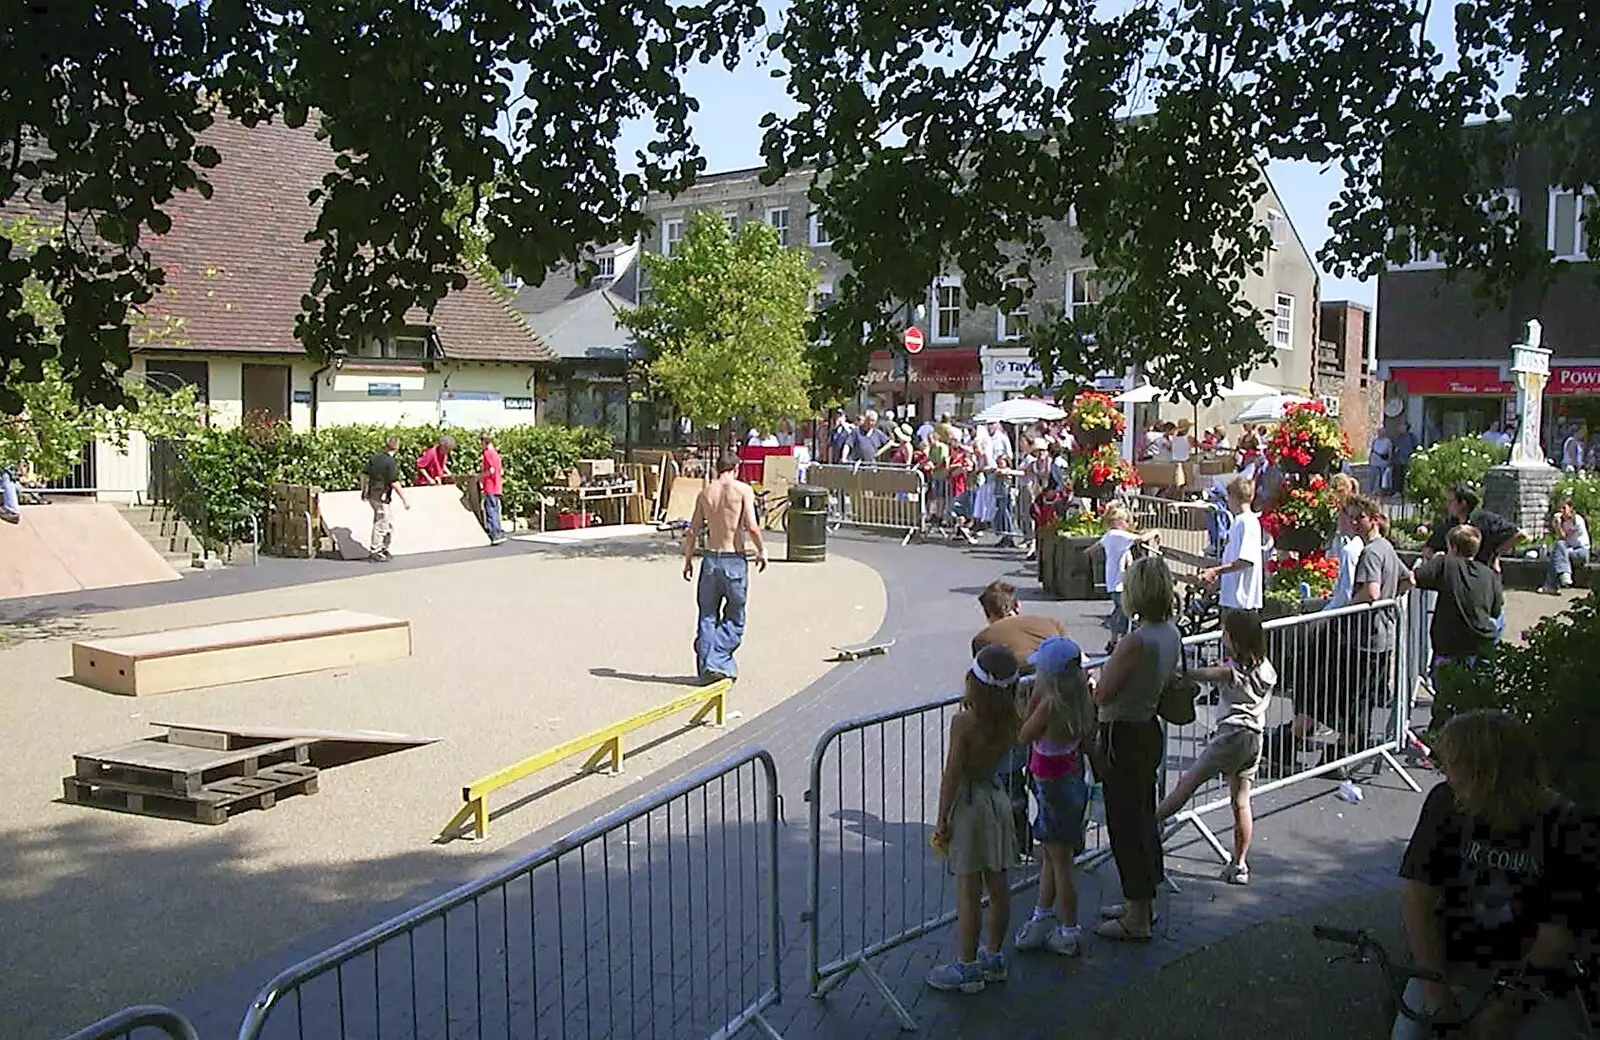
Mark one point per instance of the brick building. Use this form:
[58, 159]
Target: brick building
[1343, 378]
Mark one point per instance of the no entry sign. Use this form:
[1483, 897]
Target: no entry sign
[913, 340]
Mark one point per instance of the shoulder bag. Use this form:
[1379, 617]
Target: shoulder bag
[1176, 706]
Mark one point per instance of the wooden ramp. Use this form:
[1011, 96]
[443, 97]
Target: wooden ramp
[69, 547]
[238, 651]
[438, 519]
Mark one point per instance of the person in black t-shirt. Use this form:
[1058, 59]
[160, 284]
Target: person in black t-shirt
[380, 483]
[1464, 625]
[1495, 875]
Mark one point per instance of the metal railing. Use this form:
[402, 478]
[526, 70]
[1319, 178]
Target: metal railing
[660, 919]
[873, 884]
[1188, 529]
[129, 1022]
[82, 479]
[1339, 703]
[893, 498]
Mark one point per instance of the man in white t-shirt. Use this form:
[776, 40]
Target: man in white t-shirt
[1240, 573]
[1350, 546]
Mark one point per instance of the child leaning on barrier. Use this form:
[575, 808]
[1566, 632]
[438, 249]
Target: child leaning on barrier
[975, 829]
[1061, 713]
[1246, 680]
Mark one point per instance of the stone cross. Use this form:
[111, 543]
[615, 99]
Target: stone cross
[1530, 364]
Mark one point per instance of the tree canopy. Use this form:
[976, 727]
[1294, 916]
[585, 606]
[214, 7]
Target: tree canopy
[727, 323]
[944, 135]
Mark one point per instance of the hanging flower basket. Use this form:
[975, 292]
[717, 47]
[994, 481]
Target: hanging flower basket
[1299, 540]
[1095, 419]
[1093, 437]
[1307, 441]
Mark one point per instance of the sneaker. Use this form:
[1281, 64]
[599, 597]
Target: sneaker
[9, 517]
[993, 966]
[957, 977]
[1032, 935]
[1566, 581]
[497, 540]
[1236, 874]
[1064, 941]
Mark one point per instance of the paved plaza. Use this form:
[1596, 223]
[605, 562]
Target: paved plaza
[517, 651]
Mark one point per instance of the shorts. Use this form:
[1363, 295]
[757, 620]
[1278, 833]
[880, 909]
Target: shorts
[939, 488]
[1062, 802]
[1232, 751]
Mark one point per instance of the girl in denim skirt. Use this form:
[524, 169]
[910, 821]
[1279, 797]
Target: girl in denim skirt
[1061, 713]
[975, 829]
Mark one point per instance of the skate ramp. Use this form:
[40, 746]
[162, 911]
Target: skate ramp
[70, 547]
[437, 520]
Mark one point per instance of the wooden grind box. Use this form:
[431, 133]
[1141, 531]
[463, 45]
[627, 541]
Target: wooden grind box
[238, 651]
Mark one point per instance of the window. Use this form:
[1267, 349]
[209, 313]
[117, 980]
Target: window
[1569, 240]
[819, 234]
[511, 281]
[822, 297]
[731, 219]
[1283, 321]
[1418, 258]
[606, 268]
[671, 235]
[947, 309]
[1331, 402]
[410, 344]
[1072, 215]
[1009, 325]
[1083, 291]
[778, 220]
[1278, 227]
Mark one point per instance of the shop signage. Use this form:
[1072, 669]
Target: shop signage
[1445, 381]
[1573, 380]
[302, 397]
[383, 389]
[518, 404]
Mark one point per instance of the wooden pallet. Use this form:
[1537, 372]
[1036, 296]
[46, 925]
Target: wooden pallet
[211, 805]
[162, 767]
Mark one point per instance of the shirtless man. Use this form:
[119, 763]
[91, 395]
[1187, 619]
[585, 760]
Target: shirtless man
[727, 507]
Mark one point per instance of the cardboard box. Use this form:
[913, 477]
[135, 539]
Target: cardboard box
[588, 469]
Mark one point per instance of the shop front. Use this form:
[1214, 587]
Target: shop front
[942, 381]
[1011, 372]
[1444, 401]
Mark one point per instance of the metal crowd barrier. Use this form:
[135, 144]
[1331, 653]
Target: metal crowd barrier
[1184, 528]
[891, 498]
[660, 919]
[128, 1023]
[873, 882]
[1327, 680]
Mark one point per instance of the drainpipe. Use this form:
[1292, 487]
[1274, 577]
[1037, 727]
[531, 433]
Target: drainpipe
[315, 376]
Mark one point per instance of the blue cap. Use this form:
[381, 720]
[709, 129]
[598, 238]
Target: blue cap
[1056, 654]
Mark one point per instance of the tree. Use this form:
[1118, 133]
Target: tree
[981, 122]
[727, 324]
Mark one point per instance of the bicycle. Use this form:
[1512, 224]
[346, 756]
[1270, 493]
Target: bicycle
[1504, 981]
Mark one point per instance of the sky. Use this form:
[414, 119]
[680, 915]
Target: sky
[727, 128]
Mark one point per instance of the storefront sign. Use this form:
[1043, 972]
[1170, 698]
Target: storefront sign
[1430, 381]
[383, 389]
[1573, 380]
[302, 397]
[937, 369]
[1012, 369]
[518, 404]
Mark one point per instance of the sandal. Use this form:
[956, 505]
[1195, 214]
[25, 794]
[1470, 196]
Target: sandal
[1114, 912]
[1116, 931]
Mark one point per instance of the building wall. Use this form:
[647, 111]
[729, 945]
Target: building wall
[1342, 371]
[1289, 270]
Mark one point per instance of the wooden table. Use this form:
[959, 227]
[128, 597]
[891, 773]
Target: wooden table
[603, 495]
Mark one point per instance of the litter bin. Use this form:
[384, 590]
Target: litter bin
[807, 524]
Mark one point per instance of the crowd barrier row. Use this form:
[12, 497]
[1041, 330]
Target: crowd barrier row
[662, 919]
[891, 498]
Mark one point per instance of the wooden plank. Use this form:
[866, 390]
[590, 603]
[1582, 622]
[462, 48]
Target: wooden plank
[197, 730]
[214, 655]
[685, 490]
[158, 765]
[210, 806]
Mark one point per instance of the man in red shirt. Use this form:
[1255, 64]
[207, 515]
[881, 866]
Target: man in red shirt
[492, 474]
[433, 465]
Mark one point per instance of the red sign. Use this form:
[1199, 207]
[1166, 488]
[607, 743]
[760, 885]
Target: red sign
[1429, 381]
[913, 340]
[1573, 380]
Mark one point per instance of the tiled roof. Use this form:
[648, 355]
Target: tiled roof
[237, 264]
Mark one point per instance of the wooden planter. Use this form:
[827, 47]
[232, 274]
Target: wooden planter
[1066, 570]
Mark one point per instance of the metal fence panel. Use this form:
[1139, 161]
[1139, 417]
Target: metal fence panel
[659, 920]
[139, 1023]
[885, 497]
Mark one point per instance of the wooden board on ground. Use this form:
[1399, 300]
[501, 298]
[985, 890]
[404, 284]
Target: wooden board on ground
[69, 547]
[685, 491]
[211, 805]
[854, 651]
[228, 738]
[440, 518]
[156, 765]
[238, 651]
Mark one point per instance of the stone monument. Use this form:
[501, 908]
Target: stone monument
[1520, 491]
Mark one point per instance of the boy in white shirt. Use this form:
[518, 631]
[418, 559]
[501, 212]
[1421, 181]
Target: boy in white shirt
[1240, 573]
[1350, 546]
[1117, 547]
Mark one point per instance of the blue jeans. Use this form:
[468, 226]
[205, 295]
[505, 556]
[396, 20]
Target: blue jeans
[724, 583]
[491, 516]
[8, 493]
[1120, 623]
[1561, 561]
[1004, 524]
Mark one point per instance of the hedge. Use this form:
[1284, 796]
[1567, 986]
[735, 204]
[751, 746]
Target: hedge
[232, 469]
[1434, 470]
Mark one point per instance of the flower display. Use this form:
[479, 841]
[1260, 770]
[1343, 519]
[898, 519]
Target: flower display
[1307, 436]
[1094, 411]
[1312, 508]
[1316, 570]
[1103, 469]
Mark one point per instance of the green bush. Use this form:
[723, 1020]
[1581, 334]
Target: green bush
[232, 469]
[1549, 683]
[1436, 469]
[1584, 492]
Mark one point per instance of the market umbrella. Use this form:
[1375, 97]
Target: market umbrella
[1269, 409]
[1141, 395]
[1248, 388]
[1021, 410]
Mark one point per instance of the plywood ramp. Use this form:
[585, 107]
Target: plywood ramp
[437, 520]
[69, 547]
[238, 651]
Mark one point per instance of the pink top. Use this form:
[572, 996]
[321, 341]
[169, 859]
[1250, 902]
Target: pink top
[1048, 760]
[491, 471]
[431, 464]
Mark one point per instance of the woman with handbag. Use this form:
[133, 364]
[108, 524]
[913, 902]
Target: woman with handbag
[1130, 745]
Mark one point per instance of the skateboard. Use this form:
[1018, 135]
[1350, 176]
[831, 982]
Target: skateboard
[856, 651]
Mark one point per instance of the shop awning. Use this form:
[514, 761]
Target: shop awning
[1452, 380]
[939, 369]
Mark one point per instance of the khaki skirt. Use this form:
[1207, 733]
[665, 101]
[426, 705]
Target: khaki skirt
[983, 836]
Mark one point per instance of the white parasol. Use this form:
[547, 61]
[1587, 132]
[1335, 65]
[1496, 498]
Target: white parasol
[1269, 409]
[1248, 388]
[1141, 395]
[1020, 410]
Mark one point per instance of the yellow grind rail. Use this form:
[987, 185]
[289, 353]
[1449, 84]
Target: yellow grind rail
[606, 743]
